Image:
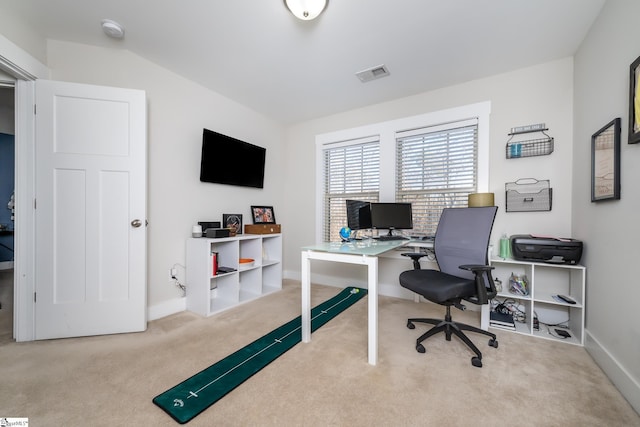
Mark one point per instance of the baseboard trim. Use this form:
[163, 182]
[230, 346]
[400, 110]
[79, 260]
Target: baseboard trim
[618, 375]
[167, 308]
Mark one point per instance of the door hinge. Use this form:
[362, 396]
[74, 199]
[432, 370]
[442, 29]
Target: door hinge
[34, 204]
[34, 297]
[34, 109]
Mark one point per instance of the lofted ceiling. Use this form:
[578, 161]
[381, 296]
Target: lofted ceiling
[258, 54]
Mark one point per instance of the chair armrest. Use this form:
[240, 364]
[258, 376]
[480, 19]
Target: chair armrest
[485, 287]
[474, 268]
[415, 256]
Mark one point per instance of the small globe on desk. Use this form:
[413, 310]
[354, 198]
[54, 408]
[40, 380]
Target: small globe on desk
[345, 233]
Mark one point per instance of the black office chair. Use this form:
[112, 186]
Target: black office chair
[460, 247]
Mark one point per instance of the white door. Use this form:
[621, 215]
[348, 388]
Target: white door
[90, 214]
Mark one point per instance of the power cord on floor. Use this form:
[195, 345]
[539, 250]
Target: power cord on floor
[174, 276]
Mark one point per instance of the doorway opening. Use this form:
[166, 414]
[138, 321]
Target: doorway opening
[7, 209]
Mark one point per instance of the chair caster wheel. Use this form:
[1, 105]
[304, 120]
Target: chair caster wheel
[420, 348]
[410, 325]
[493, 343]
[476, 361]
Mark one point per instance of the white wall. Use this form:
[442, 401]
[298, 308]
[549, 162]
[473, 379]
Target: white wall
[539, 94]
[611, 229]
[26, 37]
[178, 109]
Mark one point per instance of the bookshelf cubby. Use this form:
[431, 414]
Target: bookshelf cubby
[208, 294]
[545, 281]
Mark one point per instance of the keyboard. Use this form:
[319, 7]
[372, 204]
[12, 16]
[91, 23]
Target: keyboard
[423, 238]
[388, 238]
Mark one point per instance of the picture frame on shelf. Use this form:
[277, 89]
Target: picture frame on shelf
[233, 222]
[605, 162]
[263, 215]
[634, 102]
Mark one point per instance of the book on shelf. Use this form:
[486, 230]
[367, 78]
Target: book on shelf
[503, 320]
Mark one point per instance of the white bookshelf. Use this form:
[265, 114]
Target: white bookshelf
[545, 280]
[208, 294]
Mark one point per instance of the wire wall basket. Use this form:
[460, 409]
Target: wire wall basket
[530, 147]
[528, 195]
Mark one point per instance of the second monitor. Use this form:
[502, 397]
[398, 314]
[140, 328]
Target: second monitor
[358, 215]
[392, 216]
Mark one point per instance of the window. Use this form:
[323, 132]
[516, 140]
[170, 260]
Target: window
[436, 168]
[432, 160]
[352, 171]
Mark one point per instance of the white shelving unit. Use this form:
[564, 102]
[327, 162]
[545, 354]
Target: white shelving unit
[545, 280]
[208, 294]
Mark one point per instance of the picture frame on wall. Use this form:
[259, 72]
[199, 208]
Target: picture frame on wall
[634, 102]
[233, 222]
[263, 215]
[605, 162]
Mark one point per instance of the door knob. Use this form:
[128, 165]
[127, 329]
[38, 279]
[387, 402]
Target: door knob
[136, 223]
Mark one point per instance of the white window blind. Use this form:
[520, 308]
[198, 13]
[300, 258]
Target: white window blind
[436, 168]
[351, 171]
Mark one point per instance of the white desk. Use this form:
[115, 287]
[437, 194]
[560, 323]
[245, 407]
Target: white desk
[362, 252]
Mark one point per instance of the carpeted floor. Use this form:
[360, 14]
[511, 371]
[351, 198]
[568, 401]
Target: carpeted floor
[110, 380]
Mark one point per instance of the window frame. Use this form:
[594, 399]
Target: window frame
[386, 133]
[368, 191]
[435, 150]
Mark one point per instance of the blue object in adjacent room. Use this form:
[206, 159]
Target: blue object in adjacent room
[7, 182]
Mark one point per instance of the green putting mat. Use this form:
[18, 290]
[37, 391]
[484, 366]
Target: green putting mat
[192, 396]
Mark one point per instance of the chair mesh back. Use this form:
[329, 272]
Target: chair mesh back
[462, 238]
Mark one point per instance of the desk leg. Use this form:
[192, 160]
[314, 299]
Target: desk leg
[372, 297]
[306, 297]
[484, 316]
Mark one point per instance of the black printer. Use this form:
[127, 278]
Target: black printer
[527, 247]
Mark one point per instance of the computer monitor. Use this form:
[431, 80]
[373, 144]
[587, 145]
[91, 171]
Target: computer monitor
[392, 216]
[358, 214]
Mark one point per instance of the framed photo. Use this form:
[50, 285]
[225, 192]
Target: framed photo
[634, 103]
[605, 162]
[232, 222]
[263, 215]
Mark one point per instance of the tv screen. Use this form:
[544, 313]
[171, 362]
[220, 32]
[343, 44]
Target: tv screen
[358, 215]
[392, 216]
[227, 160]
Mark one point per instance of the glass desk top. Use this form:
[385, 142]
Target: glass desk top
[369, 247]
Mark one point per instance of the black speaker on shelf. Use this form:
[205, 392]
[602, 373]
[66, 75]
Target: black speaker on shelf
[208, 224]
[217, 233]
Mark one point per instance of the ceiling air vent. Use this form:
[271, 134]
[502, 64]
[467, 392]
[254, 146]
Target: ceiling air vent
[372, 73]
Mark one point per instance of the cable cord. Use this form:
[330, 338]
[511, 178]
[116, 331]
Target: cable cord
[509, 306]
[182, 287]
[555, 334]
[550, 331]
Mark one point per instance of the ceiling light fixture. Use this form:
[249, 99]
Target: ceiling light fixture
[112, 29]
[306, 9]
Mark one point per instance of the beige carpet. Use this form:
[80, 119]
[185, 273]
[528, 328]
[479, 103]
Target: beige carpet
[110, 380]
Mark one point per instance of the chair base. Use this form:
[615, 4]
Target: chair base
[450, 327]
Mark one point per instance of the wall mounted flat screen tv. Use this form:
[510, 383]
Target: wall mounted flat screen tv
[227, 160]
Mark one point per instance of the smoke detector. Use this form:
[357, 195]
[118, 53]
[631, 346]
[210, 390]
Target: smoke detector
[372, 73]
[112, 29]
